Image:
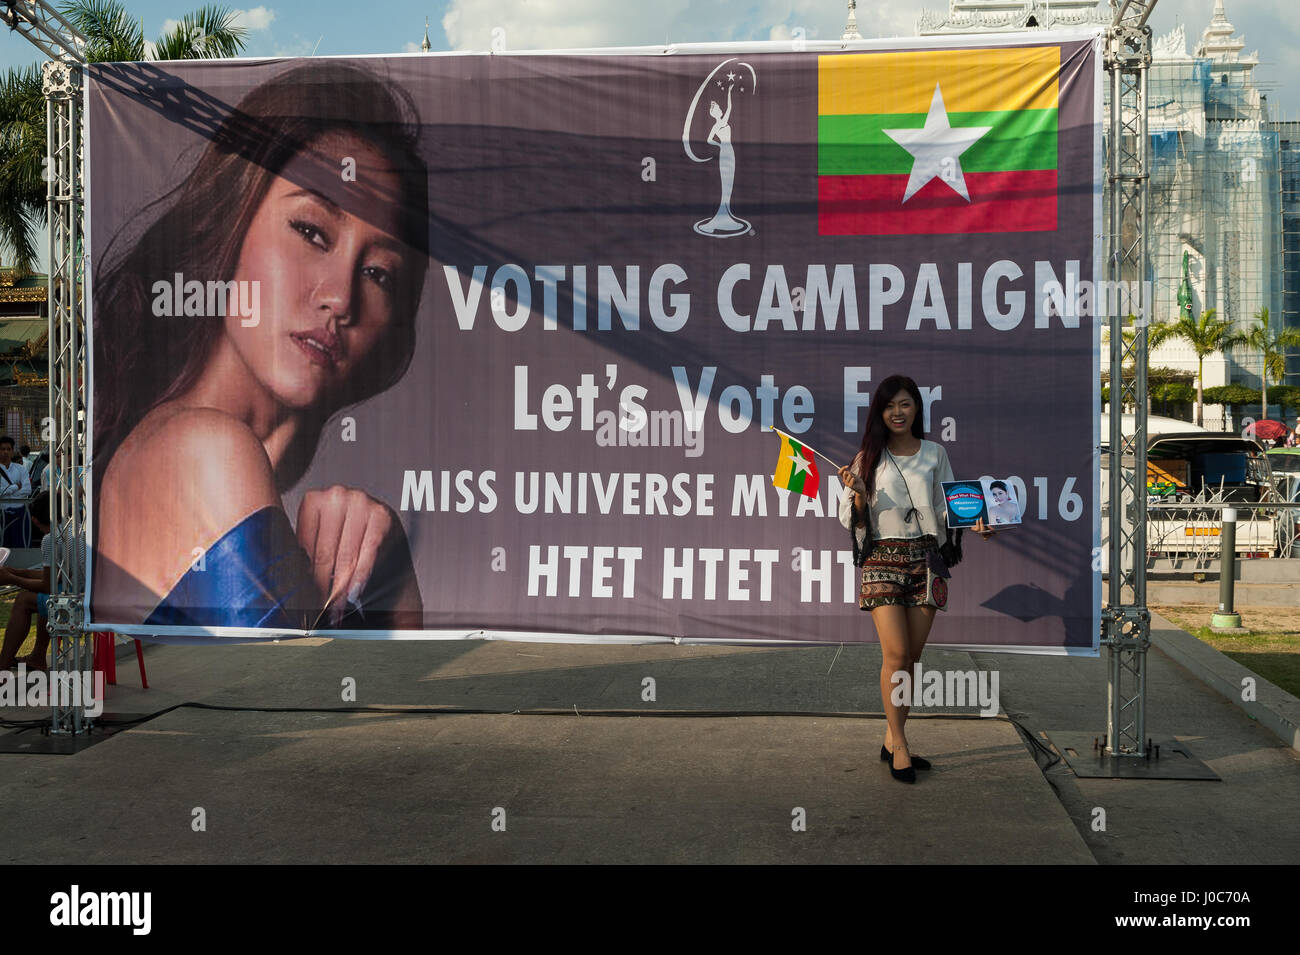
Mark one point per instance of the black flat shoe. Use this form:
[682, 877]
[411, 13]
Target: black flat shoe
[903, 775]
[918, 762]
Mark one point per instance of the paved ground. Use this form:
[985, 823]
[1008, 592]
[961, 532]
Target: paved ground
[404, 786]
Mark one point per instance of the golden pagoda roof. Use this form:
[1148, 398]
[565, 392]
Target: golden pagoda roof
[18, 286]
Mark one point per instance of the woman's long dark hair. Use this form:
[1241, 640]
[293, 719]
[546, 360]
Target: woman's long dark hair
[139, 363]
[875, 436]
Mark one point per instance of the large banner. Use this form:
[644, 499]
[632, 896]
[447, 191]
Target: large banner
[472, 346]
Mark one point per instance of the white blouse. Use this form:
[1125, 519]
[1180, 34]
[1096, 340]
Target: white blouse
[924, 473]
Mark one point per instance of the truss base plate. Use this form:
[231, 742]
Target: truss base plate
[1175, 762]
[39, 741]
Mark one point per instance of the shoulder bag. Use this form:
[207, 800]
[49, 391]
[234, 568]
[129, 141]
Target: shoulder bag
[936, 571]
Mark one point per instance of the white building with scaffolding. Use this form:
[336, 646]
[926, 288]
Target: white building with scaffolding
[1221, 177]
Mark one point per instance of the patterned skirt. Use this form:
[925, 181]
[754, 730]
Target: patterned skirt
[895, 573]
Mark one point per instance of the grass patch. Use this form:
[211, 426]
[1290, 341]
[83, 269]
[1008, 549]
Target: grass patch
[6, 605]
[1274, 654]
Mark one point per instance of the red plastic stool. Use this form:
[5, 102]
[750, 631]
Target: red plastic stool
[105, 656]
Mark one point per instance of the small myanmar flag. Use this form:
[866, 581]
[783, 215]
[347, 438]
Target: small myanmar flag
[938, 141]
[796, 469]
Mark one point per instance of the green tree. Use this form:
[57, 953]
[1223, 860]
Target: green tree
[1271, 343]
[1206, 335]
[22, 151]
[112, 35]
[1286, 397]
[1128, 334]
[1157, 334]
[1234, 396]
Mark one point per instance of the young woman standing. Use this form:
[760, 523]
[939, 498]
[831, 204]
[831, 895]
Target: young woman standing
[893, 502]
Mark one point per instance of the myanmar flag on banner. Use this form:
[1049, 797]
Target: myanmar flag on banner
[796, 469]
[937, 141]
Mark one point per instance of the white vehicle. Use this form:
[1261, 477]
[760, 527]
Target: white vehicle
[1155, 425]
[1187, 464]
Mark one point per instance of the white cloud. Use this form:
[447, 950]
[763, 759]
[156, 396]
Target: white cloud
[258, 18]
[548, 24]
[568, 24]
[1268, 26]
[254, 20]
[298, 46]
[411, 47]
[559, 24]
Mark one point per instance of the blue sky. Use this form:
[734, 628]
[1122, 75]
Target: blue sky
[334, 27]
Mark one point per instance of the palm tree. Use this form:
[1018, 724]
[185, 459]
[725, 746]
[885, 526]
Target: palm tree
[1206, 335]
[1272, 345]
[22, 152]
[112, 35]
[1157, 334]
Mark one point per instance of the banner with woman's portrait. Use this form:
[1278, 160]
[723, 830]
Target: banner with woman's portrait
[495, 345]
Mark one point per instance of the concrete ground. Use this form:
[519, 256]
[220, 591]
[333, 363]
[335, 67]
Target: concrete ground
[726, 780]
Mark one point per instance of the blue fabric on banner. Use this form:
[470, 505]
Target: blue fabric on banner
[250, 578]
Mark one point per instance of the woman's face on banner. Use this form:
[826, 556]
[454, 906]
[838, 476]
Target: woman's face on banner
[323, 267]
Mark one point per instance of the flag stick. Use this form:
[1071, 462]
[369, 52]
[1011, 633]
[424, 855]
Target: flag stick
[808, 446]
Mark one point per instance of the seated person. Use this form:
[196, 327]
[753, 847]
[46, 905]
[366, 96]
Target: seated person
[15, 488]
[32, 597]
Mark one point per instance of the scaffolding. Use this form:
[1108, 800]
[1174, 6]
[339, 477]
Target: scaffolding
[1225, 179]
[1289, 227]
[1216, 197]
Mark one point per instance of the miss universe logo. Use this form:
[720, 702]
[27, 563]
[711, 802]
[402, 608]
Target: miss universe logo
[738, 79]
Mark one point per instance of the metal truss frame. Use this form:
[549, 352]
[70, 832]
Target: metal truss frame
[65, 428]
[1126, 624]
[67, 422]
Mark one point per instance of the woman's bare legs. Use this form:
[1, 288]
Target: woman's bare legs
[919, 622]
[891, 628]
[902, 632]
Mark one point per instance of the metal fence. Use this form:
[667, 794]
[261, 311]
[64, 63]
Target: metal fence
[1188, 527]
[1191, 528]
